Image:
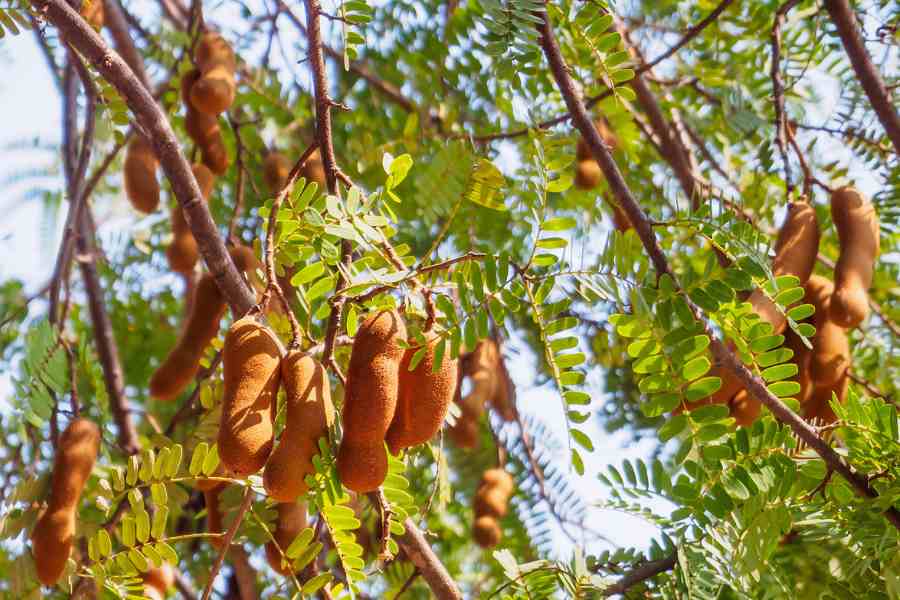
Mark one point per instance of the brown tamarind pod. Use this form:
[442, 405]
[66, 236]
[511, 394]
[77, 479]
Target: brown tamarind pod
[497, 478]
[724, 395]
[215, 89]
[486, 531]
[141, 185]
[744, 408]
[251, 361]
[291, 521]
[423, 396]
[818, 407]
[583, 151]
[588, 174]
[830, 357]
[202, 325]
[183, 253]
[314, 170]
[92, 12]
[504, 397]
[801, 358]
[483, 375]
[214, 155]
[796, 249]
[310, 414]
[54, 532]
[276, 168]
[620, 220]
[159, 580]
[214, 522]
[370, 400]
[464, 434]
[858, 232]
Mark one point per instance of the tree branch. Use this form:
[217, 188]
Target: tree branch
[176, 167]
[432, 569]
[869, 77]
[778, 92]
[754, 385]
[640, 574]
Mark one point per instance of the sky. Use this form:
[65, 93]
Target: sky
[30, 112]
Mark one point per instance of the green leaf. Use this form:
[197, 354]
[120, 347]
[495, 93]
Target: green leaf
[779, 372]
[197, 458]
[559, 224]
[702, 388]
[300, 543]
[784, 389]
[582, 439]
[695, 368]
[673, 427]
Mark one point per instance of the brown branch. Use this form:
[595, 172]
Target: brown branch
[384, 510]
[869, 77]
[226, 541]
[176, 167]
[117, 24]
[640, 574]
[272, 284]
[724, 356]
[429, 565]
[778, 92]
[389, 90]
[689, 35]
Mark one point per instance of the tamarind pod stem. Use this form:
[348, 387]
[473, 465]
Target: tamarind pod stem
[54, 531]
[423, 397]
[251, 361]
[292, 519]
[202, 325]
[140, 166]
[486, 531]
[795, 254]
[858, 232]
[370, 400]
[310, 414]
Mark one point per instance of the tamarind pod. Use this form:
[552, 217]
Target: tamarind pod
[423, 396]
[160, 578]
[796, 249]
[483, 375]
[744, 408]
[212, 50]
[182, 253]
[92, 12]
[205, 179]
[310, 414]
[214, 515]
[492, 502]
[370, 400]
[314, 170]
[802, 357]
[587, 174]
[818, 407]
[202, 325]
[214, 92]
[620, 220]
[141, 185]
[276, 168]
[497, 478]
[583, 151]
[291, 521]
[215, 156]
[504, 397]
[54, 531]
[251, 361]
[858, 232]
[464, 434]
[726, 392]
[830, 357]
[486, 531]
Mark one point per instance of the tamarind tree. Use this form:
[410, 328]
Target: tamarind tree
[465, 254]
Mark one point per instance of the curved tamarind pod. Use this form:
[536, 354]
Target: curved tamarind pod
[464, 434]
[92, 11]
[291, 521]
[183, 253]
[795, 254]
[802, 357]
[423, 397]
[310, 413]
[203, 128]
[370, 400]
[486, 531]
[830, 356]
[818, 407]
[214, 515]
[314, 170]
[54, 532]
[859, 234]
[215, 89]
[492, 502]
[251, 365]
[483, 374]
[504, 397]
[158, 580]
[276, 168]
[141, 185]
[497, 478]
[202, 325]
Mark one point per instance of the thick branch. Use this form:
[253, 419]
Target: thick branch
[754, 385]
[845, 21]
[641, 573]
[432, 569]
[176, 167]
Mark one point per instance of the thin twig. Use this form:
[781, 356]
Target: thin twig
[778, 92]
[226, 541]
[640, 574]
